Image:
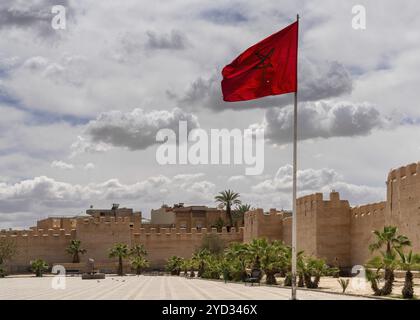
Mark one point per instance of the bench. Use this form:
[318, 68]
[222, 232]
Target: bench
[255, 277]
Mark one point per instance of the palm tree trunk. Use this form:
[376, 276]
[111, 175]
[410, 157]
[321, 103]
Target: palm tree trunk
[408, 291]
[389, 281]
[309, 283]
[374, 286]
[301, 283]
[200, 270]
[288, 280]
[387, 288]
[120, 266]
[229, 213]
[270, 278]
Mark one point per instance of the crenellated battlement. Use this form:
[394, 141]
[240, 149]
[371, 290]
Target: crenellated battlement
[371, 209]
[177, 233]
[327, 227]
[38, 233]
[310, 198]
[409, 171]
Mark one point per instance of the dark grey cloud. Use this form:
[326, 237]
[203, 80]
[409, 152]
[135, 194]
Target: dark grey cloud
[317, 80]
[322, 119]
[223, 16]
[175, 40]
[135, 130]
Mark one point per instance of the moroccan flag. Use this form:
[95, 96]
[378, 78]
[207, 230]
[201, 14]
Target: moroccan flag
[265, 69]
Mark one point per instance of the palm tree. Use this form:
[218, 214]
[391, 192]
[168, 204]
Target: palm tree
[39, 266]
[287, 252]
[185, 266]
[120, 251]
[407, 263]
[200, 257]
[237, 255]
[386, 262]
[228, 198]
[313, 270]
[174, 265]
[387, 237]
[74, 249]
[138, 251]
[240, 211]
[139, 263]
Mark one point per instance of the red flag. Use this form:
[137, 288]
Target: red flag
[267, 68]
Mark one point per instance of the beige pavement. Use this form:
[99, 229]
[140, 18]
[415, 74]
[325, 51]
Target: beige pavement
[147, 287]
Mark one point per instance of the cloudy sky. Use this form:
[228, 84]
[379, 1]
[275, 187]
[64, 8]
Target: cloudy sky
[80, 107]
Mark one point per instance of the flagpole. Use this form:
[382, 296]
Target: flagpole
[294, 216]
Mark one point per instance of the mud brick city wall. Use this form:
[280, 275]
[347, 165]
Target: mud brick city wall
[328, 229]
[49, 245]
[403, 202]
[364, 219]
[259, 224]
[169, 242]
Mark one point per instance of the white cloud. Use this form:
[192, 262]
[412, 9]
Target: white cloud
[62, 165]
[89, 166]
[44, 194]
[311, 181]
[308, 180]
[236, 178]
[84, 145]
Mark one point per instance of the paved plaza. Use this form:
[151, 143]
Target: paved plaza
[148, 287]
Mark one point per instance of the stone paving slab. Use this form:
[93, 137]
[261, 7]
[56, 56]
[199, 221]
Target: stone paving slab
[148, 287]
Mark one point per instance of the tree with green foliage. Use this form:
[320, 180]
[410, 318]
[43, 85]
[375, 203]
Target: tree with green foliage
[239, 213]
[389, 239]
[287, 271]
[138, 250]
[219, 224]
[174, 265]
[237, 255]
[408, 262]
[387, 262]
[212, 267]
[227, 199]
[39, 266]
[75, 250]
[138, 263]
[266, 256]
[313, 269]
[8, 249]
[200, 257]
[120, 251]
